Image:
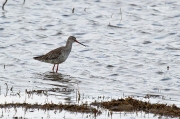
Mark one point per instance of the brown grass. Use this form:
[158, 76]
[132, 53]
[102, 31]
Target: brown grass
[84, 108]
[129, 104]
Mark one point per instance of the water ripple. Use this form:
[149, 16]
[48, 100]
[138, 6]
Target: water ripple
[128, 55]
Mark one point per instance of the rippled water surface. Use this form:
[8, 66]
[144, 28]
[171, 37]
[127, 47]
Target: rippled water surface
[124, 57]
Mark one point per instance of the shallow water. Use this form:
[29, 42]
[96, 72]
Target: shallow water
[127, 57]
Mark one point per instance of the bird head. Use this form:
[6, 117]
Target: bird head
[72, 39]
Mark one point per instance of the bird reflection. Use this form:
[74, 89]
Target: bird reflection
[64, 86]
[62, 79]
[56, 77]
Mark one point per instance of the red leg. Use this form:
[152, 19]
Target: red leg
[57, 68]
[53, 67]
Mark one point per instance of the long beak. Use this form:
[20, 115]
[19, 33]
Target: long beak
[80, 43]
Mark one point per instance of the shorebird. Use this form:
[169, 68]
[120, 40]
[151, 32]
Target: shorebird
[58, 55]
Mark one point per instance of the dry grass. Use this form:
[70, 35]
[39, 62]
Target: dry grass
[84, 108]
[129, 104]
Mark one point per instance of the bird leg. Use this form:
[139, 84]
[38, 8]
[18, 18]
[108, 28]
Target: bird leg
[57, 68]
[53, 67]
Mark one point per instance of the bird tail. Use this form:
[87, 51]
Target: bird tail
[38, 57]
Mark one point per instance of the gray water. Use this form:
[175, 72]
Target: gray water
[125, 56]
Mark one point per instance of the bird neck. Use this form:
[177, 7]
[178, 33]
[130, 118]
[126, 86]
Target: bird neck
[69, 45]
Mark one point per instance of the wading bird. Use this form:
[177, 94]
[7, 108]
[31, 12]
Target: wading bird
[58, 55]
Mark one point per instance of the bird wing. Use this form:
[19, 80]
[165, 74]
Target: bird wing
[54, 54]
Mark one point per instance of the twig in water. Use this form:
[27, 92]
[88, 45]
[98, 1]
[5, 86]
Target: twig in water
[112, 15]
[15, 109]
[6, 89]
[4, 4]
[64, 115]
[24, 2]
[73, 10]
[78, 96]
[11, 89]
[85, 9]
[121, 15]
[19, 93]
